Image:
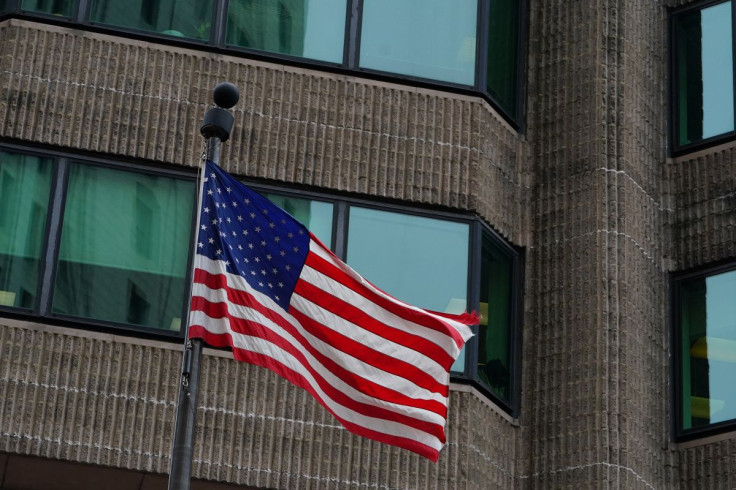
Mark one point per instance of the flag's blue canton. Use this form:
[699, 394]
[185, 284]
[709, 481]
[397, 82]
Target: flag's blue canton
[253, 237]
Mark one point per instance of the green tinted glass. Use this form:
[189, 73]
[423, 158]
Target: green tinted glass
[180, 18]
[704, 73]
[124, 247]
[312, 29]
[423, 261]
[25, 185]
[495, 330]
[708, 340]
[315, 215]
[424, 38]
[503, 52]
[63, 8]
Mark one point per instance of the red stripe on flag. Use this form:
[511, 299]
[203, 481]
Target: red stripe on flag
[419, 317]
[359, 317]
[366, 386]
[368, 355]
[225, 340]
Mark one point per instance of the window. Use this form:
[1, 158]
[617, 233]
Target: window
[423, 261]
[703, 74]
[496, 330]
[124, 245]
[180, 18]
[502, 67]
[456, 45]
[424, 38]
[705, 343]
[63, 8]
[308, 29]
[25, 186]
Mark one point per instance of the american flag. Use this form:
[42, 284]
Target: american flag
[268, 289]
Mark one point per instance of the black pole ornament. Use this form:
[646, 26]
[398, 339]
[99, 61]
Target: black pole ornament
[216, 127]
[218, 122]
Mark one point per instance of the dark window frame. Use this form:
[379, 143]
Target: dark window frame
[673, 88]
[477, 229]
[350, 64]
[676, 399]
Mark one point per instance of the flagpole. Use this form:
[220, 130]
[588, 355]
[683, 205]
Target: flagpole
[216, 127]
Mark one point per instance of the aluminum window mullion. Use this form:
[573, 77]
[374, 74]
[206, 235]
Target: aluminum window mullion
[219, 22]
[51, 251]
[521, 53]
[481, 48]
[351, 56]
[83, 9]
[340, 229]
[474, 277]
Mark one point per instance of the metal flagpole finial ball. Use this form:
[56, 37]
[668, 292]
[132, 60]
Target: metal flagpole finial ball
[218, 122]
[225, 95]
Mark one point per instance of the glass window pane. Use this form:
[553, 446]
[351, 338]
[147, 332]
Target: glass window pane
[25, 186]
[124, 247]
[495, 329]
[315, 215]
[180, 18]
[503, 52]
[309, 29]
[63, 8]
[423, 38]
[704, 73]
[422, 261]
[708, 329]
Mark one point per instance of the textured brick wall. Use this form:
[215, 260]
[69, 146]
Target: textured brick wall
[77, 90]
[106, 400]
[596, 384]
[703, 190]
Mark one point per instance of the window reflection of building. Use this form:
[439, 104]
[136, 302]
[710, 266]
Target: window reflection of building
[25, 183]
[277, 26]
[182, 18]
[124, 259]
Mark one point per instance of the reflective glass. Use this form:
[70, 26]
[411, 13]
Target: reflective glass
[423, 261]
[312, 29]
[495, 329]
[704, 73]
[708, 339]
[124, 247]
[315, 215]
[180, 18]
[63, 8]
[503, 52]
[424, 38]
[25, 186]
